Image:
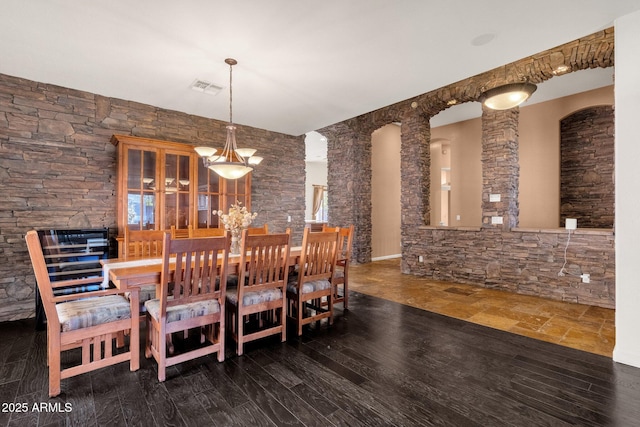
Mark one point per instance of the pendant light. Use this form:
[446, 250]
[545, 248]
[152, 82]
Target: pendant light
[232, 162]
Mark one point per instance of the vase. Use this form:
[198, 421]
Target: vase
[235, 241]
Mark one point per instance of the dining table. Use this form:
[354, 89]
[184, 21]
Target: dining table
[130, 273]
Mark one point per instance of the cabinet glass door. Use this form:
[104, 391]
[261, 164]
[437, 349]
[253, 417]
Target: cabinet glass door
[141, 189]
[176, 191]
[237, 192]
[209, 186]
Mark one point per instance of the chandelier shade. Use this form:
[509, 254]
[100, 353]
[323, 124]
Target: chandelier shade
[232, 162]
[507, 96]
[206, 151]
[230, 170]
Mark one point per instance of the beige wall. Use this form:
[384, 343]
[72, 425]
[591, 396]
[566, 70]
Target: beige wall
[539, 157]
[385, 192]
[464, 140]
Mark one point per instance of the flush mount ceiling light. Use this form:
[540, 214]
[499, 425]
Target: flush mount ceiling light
[232, 162]
[507, 96]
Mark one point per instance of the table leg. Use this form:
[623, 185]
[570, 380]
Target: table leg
[134, 338]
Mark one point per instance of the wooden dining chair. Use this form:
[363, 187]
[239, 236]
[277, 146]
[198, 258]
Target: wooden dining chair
[259, 230]
[312, 282]
[192, 295]
[206, 232]
[89, 320]
[261, 289]
[341, 277]
[146, 244]
[143, 244]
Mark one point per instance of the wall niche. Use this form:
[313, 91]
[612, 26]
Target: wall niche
[587, 167]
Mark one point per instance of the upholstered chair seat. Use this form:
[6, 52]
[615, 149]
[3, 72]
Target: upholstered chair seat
[252, 298]
[183, 311]
[308, 287]
[88, 312]
[145, 293]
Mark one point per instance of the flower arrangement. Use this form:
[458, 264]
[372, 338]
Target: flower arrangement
[237, 218]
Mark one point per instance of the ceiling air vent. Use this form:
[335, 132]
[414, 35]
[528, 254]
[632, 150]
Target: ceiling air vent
[205, 86]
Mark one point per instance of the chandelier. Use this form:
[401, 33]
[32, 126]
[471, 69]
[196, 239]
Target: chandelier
[232, 162]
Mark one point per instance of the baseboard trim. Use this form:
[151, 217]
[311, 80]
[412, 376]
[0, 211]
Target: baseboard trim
[380, 258]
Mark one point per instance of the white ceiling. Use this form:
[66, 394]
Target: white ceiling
[302, 65]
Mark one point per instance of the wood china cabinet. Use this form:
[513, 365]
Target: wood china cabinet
[163, 184]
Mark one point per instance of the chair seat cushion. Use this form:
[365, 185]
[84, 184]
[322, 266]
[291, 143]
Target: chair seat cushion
[183, 311]
[251, 298]
[88, 312]
[308, 287]
[145, 293]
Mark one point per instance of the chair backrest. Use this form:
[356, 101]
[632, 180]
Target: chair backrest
[345, 241]
[142, 243]
[180, 233]
[196, 275]
[45, 286]
[206, 232]
[264, 261]
[258, 230]
[318, 255]
[41, 273]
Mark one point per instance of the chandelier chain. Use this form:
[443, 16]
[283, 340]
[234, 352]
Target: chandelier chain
[230, 93]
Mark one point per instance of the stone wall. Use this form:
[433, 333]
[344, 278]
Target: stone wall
[349, 186]
[521, 261]
[57, 169]
[586, 167]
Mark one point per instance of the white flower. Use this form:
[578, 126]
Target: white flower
[237, 218]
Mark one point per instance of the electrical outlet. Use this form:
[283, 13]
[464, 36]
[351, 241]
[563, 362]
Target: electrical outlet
[586, 278]
[420, 258]
[288, 218]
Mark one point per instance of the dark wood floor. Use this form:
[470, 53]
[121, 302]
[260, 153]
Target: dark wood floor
[381, 364]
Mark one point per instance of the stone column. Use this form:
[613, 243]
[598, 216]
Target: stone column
[349, 183]
[415, 171]
[415, 158]
[500, 168]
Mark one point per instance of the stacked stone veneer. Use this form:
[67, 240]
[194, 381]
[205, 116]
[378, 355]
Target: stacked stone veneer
[500, 167]
[526, 262]
[494, 255]
[58, 169]
[586, 167]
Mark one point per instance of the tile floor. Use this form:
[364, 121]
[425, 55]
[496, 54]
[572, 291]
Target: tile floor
[578, 326]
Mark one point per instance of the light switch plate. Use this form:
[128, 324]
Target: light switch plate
[496, 220]
[494, 197]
